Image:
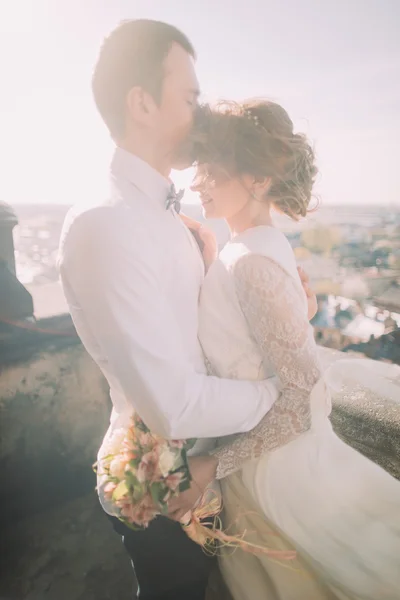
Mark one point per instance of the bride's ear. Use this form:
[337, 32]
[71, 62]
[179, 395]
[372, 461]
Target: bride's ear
[261, 186]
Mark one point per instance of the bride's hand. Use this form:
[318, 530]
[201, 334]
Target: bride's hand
[202, 470]
[206, 236]
[311, 297]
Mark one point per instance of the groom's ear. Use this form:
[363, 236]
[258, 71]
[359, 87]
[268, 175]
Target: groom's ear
[140, 105]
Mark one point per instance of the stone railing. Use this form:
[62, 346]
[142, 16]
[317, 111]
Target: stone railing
[371, 425]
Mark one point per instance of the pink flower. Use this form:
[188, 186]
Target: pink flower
[128, 511]
[148, 467]
[117, 466]
[146, 512]
[139, 514]
[130, 455]
[131, 433]
[109, 490]
[122, 502]
[177, 444]
[145, 439]
[174, 480]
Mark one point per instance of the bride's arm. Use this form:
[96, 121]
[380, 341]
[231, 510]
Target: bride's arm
[274, 308]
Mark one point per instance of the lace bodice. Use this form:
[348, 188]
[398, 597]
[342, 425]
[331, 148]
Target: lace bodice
[272, 303]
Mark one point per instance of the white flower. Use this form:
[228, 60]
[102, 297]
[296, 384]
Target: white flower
[166, 462]
[113, 444]
[117, 467]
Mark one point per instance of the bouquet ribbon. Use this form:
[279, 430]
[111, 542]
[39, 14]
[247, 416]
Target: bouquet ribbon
[204, 535]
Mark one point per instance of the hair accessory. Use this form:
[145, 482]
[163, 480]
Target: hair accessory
[249, 115]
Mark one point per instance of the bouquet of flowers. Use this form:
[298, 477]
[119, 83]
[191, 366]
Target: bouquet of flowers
[143, 472]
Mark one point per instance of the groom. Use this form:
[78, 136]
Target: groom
[132, 272]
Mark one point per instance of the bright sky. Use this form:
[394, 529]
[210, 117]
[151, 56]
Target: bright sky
[334, 65]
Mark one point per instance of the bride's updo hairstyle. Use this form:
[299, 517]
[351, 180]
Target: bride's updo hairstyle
[256, 138]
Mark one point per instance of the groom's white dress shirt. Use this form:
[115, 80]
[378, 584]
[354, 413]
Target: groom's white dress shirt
[131, 273]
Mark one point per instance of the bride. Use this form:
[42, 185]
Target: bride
[291, 474]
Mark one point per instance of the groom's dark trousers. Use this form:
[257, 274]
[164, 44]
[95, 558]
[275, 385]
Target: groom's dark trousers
[167, 564]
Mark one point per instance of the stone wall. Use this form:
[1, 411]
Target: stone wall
[54, 410]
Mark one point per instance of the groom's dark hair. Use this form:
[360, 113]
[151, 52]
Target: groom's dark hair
[132, 55]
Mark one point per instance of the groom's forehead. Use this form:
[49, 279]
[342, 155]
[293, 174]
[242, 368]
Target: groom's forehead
[179, 64]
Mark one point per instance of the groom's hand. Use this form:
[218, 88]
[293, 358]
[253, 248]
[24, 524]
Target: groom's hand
[311, 297]
[202, 470]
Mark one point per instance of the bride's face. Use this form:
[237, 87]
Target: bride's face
[222, 196]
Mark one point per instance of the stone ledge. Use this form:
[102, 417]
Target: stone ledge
[371, 426]
[54, 412]
[67, 553]
[55, 409]
[20, 344]
[372, 430]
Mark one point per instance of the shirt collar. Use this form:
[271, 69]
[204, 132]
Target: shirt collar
[138, 172]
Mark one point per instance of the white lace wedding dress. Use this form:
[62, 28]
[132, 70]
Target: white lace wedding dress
[292, 475]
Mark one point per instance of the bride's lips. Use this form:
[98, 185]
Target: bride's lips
[205, 201]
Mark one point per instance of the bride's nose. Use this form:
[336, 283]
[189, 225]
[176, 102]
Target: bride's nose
[196, 185]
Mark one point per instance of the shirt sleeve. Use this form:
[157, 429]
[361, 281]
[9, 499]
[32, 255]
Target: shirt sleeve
[116, 289]
[273, 304]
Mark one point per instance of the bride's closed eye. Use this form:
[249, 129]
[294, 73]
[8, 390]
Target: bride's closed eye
[200, 178]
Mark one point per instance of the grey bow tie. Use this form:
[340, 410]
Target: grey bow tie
[174, 199]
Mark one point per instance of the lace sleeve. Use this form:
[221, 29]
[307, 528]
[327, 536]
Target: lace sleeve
[275, 311]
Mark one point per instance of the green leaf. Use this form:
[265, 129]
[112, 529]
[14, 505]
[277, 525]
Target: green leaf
[164, 509]
[179, 463]
[120, 491]
[131, 481]
[139, 424]
[108, 457]
[185, 460]
[157, 493]
[190, 443]
[105, 459]
[184, 485]
[138, 490]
